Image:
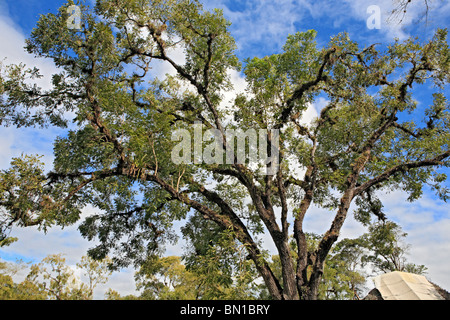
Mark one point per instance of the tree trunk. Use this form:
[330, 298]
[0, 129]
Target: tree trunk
[290, 291]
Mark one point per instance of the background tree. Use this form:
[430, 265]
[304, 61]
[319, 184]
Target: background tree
[372, 135]
[225, 271]
[387, 251]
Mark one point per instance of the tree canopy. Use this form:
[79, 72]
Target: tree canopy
[117, 155]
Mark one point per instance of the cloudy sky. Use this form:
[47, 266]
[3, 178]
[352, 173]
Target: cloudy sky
[260, 28]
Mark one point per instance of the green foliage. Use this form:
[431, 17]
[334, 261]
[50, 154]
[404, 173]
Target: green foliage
[166, 279]
[220, 271]
[344, 278]
[9, 290]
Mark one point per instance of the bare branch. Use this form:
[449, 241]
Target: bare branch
[402, 168]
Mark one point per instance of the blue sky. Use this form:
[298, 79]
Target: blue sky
[260, 28]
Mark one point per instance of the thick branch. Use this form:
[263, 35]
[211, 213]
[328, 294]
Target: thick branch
[302, 89]
[402, 168]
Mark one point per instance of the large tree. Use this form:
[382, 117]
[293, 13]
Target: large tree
[371, 136]
[401, 7]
